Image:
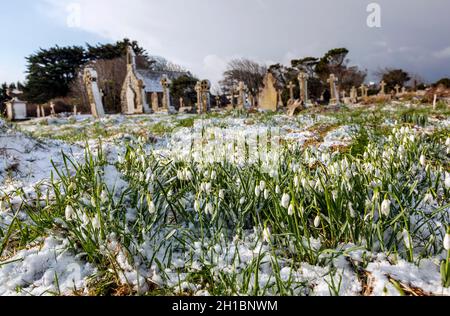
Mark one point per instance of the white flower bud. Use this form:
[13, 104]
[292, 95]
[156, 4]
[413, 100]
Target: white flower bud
[266, 234]
[447, 242]
[447, 180]
[277, 189]
[423, 160]
[386, 207]
[151, 207]
[242, 201]
[257, 191]
[285, 200]
[197, 206]
[266, 194]
[317, 221]
[262, 185]
[222, 194]
[291, 210]
[70, 213]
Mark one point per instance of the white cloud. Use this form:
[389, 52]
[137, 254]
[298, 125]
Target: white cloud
[442, 54]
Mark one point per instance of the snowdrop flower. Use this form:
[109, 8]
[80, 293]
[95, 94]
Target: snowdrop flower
[406, 239]
[209, 209]
[428, 199]
[213, 175]
[96, 222]
[262, 185]
[152, 207]
[266, 234]
[266, 194]
[447, 180]
[222, 194]
[317, 221]
[285, 200]
[386, 207]
[93, 203]
[352, 211]
[277, 189]
[242, 201]
[70, 213]
[447, 142]
[197, 206]
[447, 242]
[257, 191]
[423, 160]
[291, 210]
[296, 181]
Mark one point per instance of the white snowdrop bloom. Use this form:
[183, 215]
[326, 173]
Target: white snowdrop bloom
[277, 189]
[208, 187]
[257, 191]
[213, 175]
[447, 242]
[242, 201]
[285, 200]
[197, 206]
[262, 185]
[406, 239]
[70, 213]
[266, 234]
[93, 203]
[304, 183]
[209, 209]
[104, 197]
[447, 142]
[266, 194]
[152, 207]
[291, 210]
[317, 221]
[352, 211]
[222, 194]
[96, 222]
[386, 207]
[447, 180]
[423, 160]
[296, 181]
[412, 138]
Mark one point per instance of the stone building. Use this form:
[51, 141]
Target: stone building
[143, 90]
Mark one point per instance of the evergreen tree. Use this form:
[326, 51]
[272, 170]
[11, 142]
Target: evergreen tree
[50, 72]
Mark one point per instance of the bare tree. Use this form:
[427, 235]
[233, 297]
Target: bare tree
[111, 74]
[245, 70]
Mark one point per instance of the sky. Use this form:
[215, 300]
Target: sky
[203, 35]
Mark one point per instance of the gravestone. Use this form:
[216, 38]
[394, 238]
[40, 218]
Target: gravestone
[333, 90]
[218, 103]
[166, 104]
[294, 106]
[198, 89]
[205, 86]
[303, 81]
[38, 111]
[383, 88]
[52, 109]
[291, 87]
[397, 90]
[280, 100]
[94, 96]
[354, 95]
[242, 96]
[364, 91]
[268, 97]
[155, 102]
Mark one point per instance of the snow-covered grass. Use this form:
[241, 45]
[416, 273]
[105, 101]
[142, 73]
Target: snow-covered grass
[355, 202]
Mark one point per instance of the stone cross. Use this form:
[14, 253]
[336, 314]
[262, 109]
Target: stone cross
[397, 89]
[166, 93]
[205, 87]
[383, 87]
[291, 87]
[198, 89]
[364, 92]
[333, 89]
[403, 90]
[303, 81]
[241, 92]
[354, 94]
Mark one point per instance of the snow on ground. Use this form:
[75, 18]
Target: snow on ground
[44, 270]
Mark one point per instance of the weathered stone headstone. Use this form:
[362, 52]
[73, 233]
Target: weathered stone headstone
[43, 111]
[38, 111]
[383, 88]
[166, 104]
[218, 102]
[242, 96]
[397, 90]
[354, 95]
[303, 81]
[291, 88]
[364, 91]
[198, 89]
[205, 86]
[74, 110]
[294, 106]
[269, 96]
[155, 102]
[52, 109]
[404, 90]
[333, 90]
[280, 100]
[93, 91]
